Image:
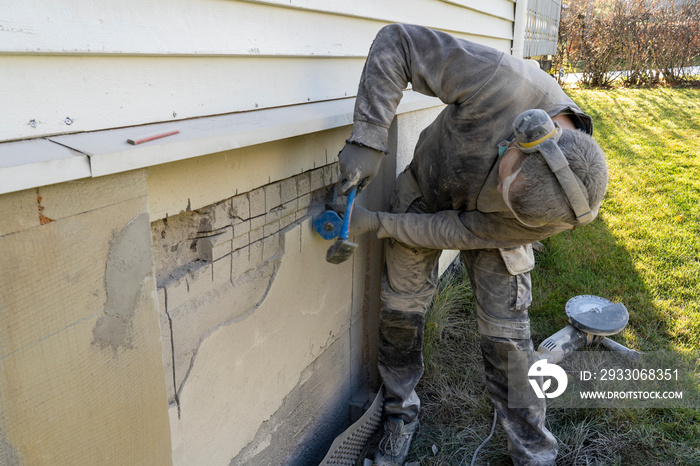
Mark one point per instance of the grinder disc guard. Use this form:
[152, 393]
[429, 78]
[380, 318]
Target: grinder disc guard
[596, 316]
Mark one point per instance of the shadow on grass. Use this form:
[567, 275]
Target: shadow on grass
[591, 261]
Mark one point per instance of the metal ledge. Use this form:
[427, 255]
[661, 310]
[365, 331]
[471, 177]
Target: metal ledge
[38, 162]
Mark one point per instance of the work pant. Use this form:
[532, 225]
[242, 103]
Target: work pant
[502, 299]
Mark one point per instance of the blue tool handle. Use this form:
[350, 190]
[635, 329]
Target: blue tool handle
[345, 228]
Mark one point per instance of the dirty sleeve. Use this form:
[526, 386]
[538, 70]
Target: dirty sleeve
[436, 64]
[451, 229]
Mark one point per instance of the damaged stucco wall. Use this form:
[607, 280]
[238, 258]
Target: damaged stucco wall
[185, 313]
[81, 374]
[216, 265]
[268, 341]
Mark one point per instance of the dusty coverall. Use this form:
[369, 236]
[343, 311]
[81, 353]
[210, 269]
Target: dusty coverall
[454, 176]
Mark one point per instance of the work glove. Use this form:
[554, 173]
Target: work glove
[362, 220]
[358, 165]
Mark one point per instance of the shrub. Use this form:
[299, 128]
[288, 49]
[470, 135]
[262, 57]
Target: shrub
[642, 41]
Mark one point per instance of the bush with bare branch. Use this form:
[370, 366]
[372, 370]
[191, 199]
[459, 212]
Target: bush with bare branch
[641, 40]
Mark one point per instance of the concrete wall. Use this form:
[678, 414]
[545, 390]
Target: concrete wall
[250, 307]
[269, 343]
[81, 373]
[217, 334]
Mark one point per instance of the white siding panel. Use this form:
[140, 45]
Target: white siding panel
[472, 17]
[501, 8]
[108, 92]
[178, 27]
[102, 64]
[217, 27]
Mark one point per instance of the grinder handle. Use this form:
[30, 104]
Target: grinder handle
[615, 346]
[345, 228]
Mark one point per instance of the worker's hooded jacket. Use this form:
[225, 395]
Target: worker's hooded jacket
[455, 162]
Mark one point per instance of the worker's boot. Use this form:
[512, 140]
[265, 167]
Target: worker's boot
[394, 445]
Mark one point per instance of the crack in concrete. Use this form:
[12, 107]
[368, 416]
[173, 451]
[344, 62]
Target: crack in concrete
[276, 260]
[172, 354]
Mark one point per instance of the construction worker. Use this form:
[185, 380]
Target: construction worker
[508, 162]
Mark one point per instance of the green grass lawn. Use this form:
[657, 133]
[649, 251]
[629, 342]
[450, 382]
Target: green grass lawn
[643, 250]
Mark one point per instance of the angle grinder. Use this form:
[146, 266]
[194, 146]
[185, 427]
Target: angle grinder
[591, 320]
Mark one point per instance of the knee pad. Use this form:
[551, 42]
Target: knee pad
[401, 338]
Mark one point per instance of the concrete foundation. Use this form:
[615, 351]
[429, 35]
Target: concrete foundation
[185, 313]
[81, 374]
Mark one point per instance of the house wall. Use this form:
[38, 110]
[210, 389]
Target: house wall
[110, 65]
[170, 302]
[269, 342]
[253, 310]
[81, 373]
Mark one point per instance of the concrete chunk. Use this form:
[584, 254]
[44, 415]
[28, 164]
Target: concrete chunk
[316, 179]
[272, 196]
[303, 183]
[219, 214]
[240, 229]
[255, 235]
[271, 228]
[240, 207]
[214, 247]
[257, 202]
[288, 190]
